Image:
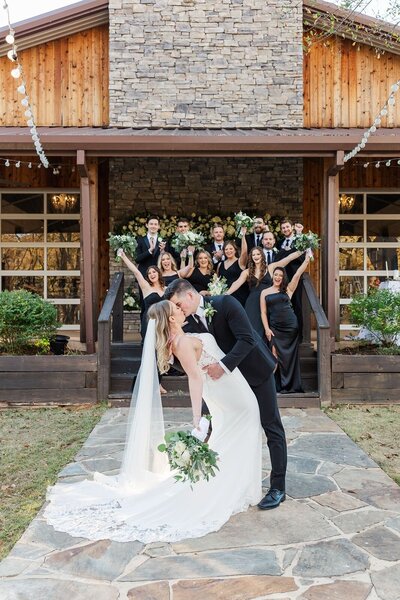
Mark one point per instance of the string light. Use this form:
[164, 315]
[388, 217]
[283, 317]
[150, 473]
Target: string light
[390, 162]
[17, 73]
[391, 101]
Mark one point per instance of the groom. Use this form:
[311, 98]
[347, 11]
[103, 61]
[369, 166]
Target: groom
[225, 318]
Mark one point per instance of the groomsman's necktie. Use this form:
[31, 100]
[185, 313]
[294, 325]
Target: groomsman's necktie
[258, 240]
[287, 245]
[269, 257]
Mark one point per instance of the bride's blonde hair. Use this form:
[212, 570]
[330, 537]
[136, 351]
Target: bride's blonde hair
[161, 312]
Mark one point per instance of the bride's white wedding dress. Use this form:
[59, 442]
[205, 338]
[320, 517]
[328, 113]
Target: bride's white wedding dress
[153, 506]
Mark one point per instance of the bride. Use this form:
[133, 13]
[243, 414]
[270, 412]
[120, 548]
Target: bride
[144, 502]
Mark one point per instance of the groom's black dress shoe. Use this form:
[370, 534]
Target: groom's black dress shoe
[272, 499]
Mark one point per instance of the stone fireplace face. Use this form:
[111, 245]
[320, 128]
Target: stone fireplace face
[202, 63]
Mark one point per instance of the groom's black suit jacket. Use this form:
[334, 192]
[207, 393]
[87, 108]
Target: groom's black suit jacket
[235, 336]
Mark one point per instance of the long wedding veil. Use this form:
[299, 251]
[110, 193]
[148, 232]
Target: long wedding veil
[142, 463]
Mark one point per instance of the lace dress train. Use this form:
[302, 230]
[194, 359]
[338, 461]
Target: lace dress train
[162, 509]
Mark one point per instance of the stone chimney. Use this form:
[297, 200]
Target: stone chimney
[206, 63]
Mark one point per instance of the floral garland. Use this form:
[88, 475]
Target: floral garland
[136, 225]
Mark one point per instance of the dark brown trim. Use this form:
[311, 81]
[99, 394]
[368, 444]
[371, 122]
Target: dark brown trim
[57, 24]
[208, 142]
[87, 331]
[339, 164]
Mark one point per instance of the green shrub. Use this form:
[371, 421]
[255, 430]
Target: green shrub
[26, 321]
[379, 312]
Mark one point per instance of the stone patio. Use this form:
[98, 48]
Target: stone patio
[336, 537]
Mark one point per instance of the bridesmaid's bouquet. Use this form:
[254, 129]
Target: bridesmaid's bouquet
[242, 220]
[127, 242]
[182, 241]
[194, 460]
[217, 286]
[306, 241]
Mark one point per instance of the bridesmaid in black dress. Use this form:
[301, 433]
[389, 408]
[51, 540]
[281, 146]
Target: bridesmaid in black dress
[281, 327]
[231, 268]
[167, 265]
[152, 286]
[258, 276]
[201, 275]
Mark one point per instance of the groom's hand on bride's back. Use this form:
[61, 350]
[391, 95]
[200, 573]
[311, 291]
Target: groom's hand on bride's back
[215, 371]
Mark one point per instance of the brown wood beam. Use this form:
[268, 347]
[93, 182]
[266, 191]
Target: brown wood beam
[88, 329]
[338, 165]
[330, 259]
[81, 163]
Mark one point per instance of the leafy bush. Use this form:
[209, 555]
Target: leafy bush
[379, 312]
[26, 321]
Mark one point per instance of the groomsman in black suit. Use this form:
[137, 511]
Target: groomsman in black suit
[183, 226]
[255, 238]
[289, 231]
[269, 249]
[215, 249]
[148, 249]
[243, 348]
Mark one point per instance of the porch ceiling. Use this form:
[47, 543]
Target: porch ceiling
[97, 141]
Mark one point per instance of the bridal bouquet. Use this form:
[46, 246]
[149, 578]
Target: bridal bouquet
[305, 241]
[193, 460]
[181, 241]
[127, 242]
[242, 220]
[217, 286]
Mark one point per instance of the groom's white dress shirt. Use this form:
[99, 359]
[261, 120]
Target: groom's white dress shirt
[200, 314]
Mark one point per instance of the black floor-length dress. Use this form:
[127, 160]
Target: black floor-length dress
[283, 323]
[252, 305]
[231, 274]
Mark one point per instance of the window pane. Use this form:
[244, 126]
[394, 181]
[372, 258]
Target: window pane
[350, 285]
[22, 203]
[351, 259]
[383, 204]
[383, 231]
[31, 284]
[373, 282]
[351, 231]
[380, 258]
[63, 259]
[63, 204]
[22, 231]
[22, 259]
[68, 314]
[345, 315]
[63, 287]
[350, 203]
[63, 231]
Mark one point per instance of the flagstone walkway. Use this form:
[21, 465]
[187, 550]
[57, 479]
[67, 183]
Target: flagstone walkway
[336, 537]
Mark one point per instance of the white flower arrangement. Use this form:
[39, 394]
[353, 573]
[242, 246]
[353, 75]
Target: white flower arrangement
[126, 241]
[209, 312]
[306, 241]
[217, 286]
[182, 241]
[194, 460]
[243, 220]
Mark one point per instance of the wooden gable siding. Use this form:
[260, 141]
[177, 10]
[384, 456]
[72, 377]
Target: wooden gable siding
[346, 85]
[67, 81]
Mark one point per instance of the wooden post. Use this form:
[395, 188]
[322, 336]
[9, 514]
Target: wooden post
[330, 260]
[87, 333]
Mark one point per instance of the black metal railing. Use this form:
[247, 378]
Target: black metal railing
[311, 306]
[110, 328]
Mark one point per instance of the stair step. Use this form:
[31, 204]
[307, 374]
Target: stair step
[298, 400]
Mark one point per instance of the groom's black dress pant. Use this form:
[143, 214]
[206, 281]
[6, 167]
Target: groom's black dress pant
[272, 425]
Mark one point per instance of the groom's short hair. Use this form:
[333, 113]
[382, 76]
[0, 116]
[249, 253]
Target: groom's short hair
[178, 286]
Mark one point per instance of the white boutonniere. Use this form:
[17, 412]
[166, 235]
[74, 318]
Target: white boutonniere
[275, 250]
[209, 312]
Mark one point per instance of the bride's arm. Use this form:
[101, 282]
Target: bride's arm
[186, 354]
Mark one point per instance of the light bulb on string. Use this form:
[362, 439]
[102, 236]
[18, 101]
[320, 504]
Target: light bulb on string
[11, 55]
[16, 73]
[391, 101]
[395, 87]
[25, 101]
[7, 163]
[388, 163]
[29, 165]
[18, 164]
[10, 37]
[366, 165]
[378, 164]
[28, 113]
[21, 89]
